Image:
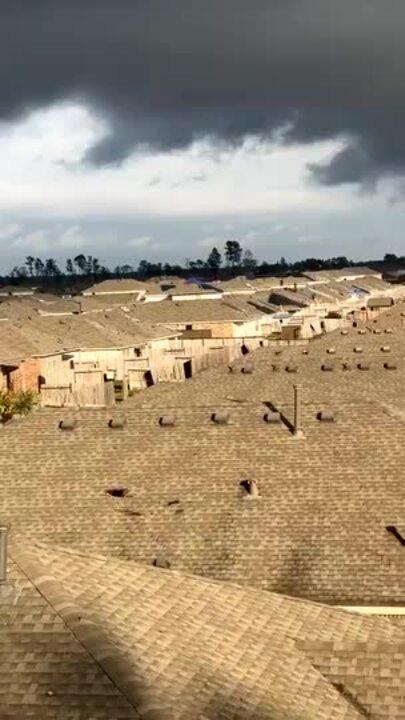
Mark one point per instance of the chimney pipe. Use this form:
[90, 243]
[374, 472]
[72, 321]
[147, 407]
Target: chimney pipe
[3, 553]
[297, 431]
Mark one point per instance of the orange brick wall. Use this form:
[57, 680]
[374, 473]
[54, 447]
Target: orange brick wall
[26, 377]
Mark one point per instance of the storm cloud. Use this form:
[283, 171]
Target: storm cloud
[165, 72]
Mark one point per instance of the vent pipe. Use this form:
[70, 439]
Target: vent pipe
[3, 553]
[297, 429]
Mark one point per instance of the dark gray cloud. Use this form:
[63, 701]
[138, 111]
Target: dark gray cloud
[167, 71]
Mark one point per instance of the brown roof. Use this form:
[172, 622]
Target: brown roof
[319, 529]
[126, 285]
[108, 638]
[34, 334]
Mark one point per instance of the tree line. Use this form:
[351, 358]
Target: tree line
[233, 260]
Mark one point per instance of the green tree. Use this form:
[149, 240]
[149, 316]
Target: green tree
[69, 267]
[29, 261]
[51, 268]
[81, 263]
[249, 262]
[214, 260]
[39, 267]
[233, 252]
[95, 268]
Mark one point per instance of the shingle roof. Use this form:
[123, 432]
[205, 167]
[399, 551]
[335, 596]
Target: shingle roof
[319, 529]
[122, 640]
[116, 286]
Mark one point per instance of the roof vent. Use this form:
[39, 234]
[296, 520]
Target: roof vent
[361, 332]
[388, 331]
[278, 352]
[376, 331]
[358, 349]
[385, 348]
[68, 423]
[161, 562]
[326, 416]
[327, 367]
[220, 417]
[344, 332]
[251, 491]
[363, 366]
[167, 420]
[347, 366]
[247, 369]
[331, 350]
[291, 368]
[305, 352]
[393, 530]
[390, 366]
[117, 492]
[275, 367]
[118, 421]
[272, 417]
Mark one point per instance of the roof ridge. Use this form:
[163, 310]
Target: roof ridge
[87, 632]
[250, 590]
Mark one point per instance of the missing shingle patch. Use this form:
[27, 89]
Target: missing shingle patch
[117, 492]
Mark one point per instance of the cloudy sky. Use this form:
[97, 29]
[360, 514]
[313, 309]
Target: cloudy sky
[158, 128]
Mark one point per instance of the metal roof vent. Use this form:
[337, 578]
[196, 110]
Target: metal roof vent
[272, 418]
[358, 349]
[305, 352]
[376, 331]
[247, 369]
[347, 366]
[390, 366]
[167, 420]
[331, 350]
[275, 367]
[326, 416]
[251, 491]
[344, 332]
[327, 367]
[363, 366]
[291, 368]
[68, 423]
[388, 331]
[220, 417]
[385, 348]
[361, 332]
[118, 421]
[161, 562]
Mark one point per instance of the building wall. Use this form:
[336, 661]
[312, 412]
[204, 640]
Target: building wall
[26, 377]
